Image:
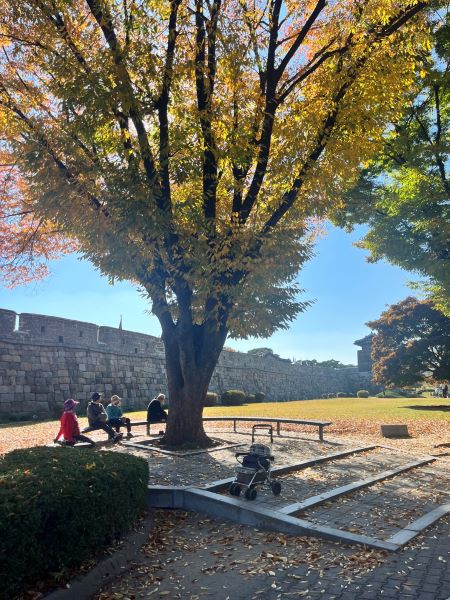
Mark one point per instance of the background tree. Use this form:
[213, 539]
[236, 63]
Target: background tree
[262, 352]
[411, 344]
[330, 363]
[184, 144]
[404, 195]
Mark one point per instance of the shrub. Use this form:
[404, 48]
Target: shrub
[330, 395]
[362, 394]
[324, 396]
[250, 398]
[387, 394]
[14, 418]
[59, 506]
[212, 399]
[260, 397]
[233, 398]
[341, 395]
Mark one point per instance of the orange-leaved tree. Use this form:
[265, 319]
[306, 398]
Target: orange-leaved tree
[185, 144]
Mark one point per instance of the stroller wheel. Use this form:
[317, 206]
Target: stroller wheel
[276, 488]
[235, 489]
[250, 493]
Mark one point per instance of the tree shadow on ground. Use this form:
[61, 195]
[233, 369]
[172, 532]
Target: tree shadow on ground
[295, 436]
[442, 407]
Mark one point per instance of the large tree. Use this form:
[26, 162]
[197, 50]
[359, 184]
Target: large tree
[411, 344]
[184, 144]
[404, 195]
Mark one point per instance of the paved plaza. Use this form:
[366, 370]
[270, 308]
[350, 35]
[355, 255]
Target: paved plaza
[191, 555]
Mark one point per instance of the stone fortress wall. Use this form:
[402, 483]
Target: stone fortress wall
[44, 360]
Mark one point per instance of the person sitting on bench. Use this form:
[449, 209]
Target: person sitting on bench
[97, 418]
[115, 416]
[69, 428]
[155, 413]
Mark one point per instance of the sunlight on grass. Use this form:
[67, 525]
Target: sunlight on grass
[376, 409]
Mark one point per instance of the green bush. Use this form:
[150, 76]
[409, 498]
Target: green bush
[233, 398]
[387, 394]
[59, 506]
[331, 395]
[250, 398]
[341, 395]
[260, 397]
[17, 418]
[362, 394]
[212, 399]
[399, 393]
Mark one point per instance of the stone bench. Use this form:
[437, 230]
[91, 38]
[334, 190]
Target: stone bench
[393, 431]
[319, 424]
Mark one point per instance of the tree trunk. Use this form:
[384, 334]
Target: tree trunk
[192, 352]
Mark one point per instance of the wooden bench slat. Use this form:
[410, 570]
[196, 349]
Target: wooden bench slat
[278, 421]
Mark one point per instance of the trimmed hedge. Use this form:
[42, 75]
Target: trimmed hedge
[59, 506]
[362, 394]
[212, 399]
[260, 397]
[250, 399]
[341, 395]
[233, 398]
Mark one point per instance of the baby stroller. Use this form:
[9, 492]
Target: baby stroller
[254, 470]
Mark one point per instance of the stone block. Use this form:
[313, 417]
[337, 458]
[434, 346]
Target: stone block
[394, 430]
[6, 398]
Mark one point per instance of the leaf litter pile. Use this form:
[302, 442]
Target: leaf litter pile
[187, 557]
[191, 557]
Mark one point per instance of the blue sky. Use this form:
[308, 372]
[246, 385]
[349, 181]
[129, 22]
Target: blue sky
[348, 291]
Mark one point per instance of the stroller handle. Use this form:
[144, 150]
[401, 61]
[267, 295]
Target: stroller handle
[270, 457]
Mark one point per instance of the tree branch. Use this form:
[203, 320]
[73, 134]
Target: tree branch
[125, 89]
[62, 167]
[300, 37]
[271, 105]
[204, 85]
[163, 103]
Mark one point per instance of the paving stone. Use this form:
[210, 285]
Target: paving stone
[343, 572]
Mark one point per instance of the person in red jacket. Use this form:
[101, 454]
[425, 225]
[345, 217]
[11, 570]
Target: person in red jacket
[69, 428]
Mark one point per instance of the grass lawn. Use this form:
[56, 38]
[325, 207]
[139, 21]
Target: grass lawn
[372, 409]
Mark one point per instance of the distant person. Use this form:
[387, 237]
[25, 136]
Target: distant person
[115, 416]
[155, 411]
[69, 428]
[445, 391]
[98, 418]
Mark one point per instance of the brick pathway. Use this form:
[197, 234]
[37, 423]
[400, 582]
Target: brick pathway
[191, 557]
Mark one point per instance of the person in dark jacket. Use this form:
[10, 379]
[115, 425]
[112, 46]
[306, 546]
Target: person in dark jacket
[97, 418]
[155, 412]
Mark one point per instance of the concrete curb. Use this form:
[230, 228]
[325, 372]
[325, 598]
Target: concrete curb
[85, 586]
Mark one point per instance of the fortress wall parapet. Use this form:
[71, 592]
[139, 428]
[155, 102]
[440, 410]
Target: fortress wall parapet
[7, 321]
[129, 341]
[56, 330]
